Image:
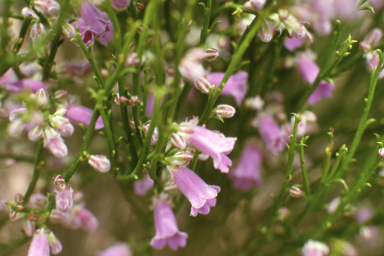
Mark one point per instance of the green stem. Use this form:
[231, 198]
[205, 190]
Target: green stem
[55, 42]
[207, 16]
[288, 174]
[327, 157]
[303, 168]
[115, 24]
[36, 171]
[110, 139]
[23, 30]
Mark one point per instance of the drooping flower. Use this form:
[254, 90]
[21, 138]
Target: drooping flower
[167, 232]
[273, 136]
[82, 115]
[247, 172]
[323, 90]
[236, 85]
[97, 21]
[39, 245]
[213, 144]
[87, 36]
[315, 248]
[142, 186]
[121, 249]
[200, 195]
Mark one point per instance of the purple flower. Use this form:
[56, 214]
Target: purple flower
[236, 85]
[97, 21]
[64, 198]
[167, 231]
[273, 136]
[39, 245]
[10, 82]
[87, 36]
[82, 115]
[120, 4]
[87, 219]
[54, 142]
[116, 250]
[308, 69]
[199, 194]
[292, 43]
[141, 187]
[247, 172]
[324, 89]
[214, 145]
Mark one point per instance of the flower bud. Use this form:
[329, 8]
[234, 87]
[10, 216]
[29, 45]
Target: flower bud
[54, 243]
[19, 198]
[99, 163]
[211, 54]
[311, 248]
[134, 100]
[381, 152]
[178, 141]
[36, 30]
[60, 94]
[274, 19]
[88, 220]
[256, 103]
[181, 158]
[56, 216]
[58, 180]
[68, 30]
[64, 198]
[38, 201]
[265, 32]
[132, 59]
[282, 213]
[203, 85]
[224, 111]
[254, 5]
[139, 5]
[15, 128]
[42, 97]
[295, 192]
[29, 227]
[47, 7]
[27, 12]
[374, 36]
[35, 133]
[62, 124]
[123, 100]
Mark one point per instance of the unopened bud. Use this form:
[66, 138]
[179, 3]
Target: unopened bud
[274, 19]
[224, 111]
[104, 73]
[19, 207]
[282, 213]
[47, 7]
[19, 198]
[62, 124]
[54, 243]
[132, 59]
[60, 94]
[374, 36]
[211, 54]
[381, 152]
[120, 4]
[64, 198]
[254, 5]
[12, 214]
[37, 201]
[117, 99]
[265, 32]
[36, 30]
[283, 13]
[42, 97]
[88, 220]
[178, 141]
[203, 85]
[139, 6]
[171, 71]
[295, 192]
[134, 100]
[123, 100]
[180, 158]
[58, 180]
[29, 227]
[27, 12]
[99, 163]
[68, 30]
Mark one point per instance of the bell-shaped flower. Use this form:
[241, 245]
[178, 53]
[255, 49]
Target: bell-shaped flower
[54, 142]
[64, 198]
[39, 245]
[82, 115]
[95, 19]
[167, 232]
[247, 172]
[121, 249]
[200, 195]
[273, 136]
[236, 85]
[87, 36]
[213, 144]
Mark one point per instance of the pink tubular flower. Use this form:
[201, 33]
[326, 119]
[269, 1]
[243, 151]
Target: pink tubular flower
[54, 142]
[199, 194]
[121, 249]
[292, 43]
[272, 135]
[308, 69]
[236, 85]
[82, 115]
[247, 173]
[214, 145]
[39, 245]
[324, 89]
[120, 4]
[95, 19]
[167, 231]
[141, 187]
[87, 36]
[88, 220]
[64, 198]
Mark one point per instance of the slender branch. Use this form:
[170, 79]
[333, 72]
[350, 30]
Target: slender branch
[110, 139]
[303, 168]
[207, 16]
[36, 171]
